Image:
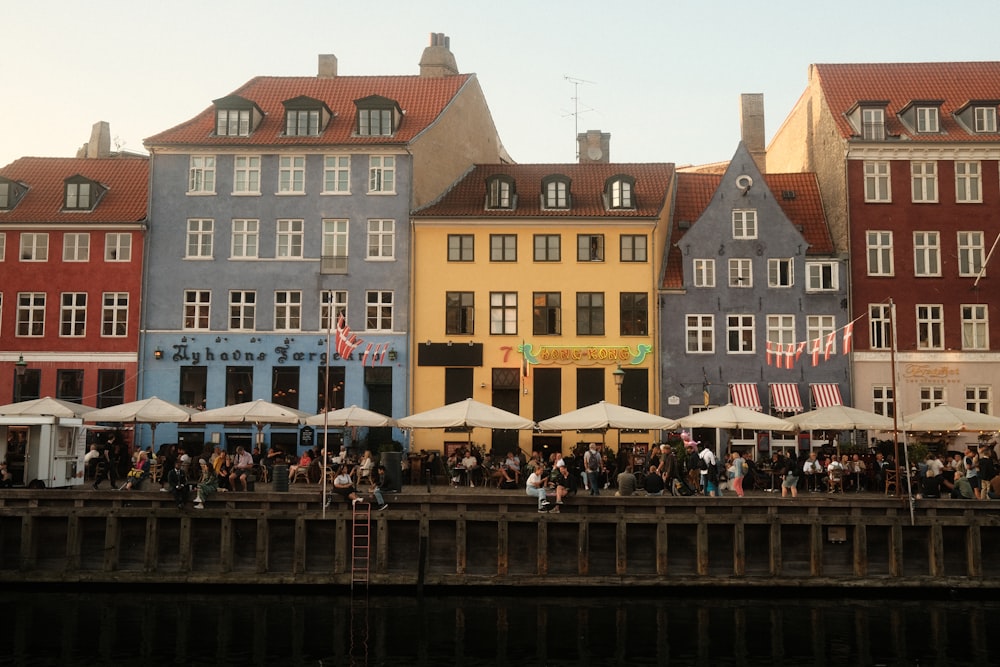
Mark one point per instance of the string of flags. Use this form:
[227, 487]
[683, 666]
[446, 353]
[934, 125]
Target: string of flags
[348, 341]
[788, 354]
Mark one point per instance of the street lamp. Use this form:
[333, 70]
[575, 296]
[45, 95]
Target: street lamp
[20, 367]
[619, 375]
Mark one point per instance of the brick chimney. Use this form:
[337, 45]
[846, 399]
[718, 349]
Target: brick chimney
[100, 141]
[752, 127]
[327, 66]
[437, 59]
[593, 146]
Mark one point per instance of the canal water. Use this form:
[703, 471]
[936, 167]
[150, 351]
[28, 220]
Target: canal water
[537, 626]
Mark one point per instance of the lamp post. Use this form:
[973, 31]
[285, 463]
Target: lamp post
[20, 367]
[619, 375]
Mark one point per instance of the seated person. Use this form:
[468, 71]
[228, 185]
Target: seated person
[138, 473]
[992, 488]
[377, 479]
[535, 486]
[208, 483]
[242, 467]
[835, 475]
[6, 478]
[343, 487]
[365, 467]
[626, 482]
[813, 470]
[304, 462]
[653, 483]
[963, 489]
[559, 481]
[930, 487]
[511, 468]
[471, 466]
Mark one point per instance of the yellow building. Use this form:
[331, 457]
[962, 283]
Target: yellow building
[532, 285]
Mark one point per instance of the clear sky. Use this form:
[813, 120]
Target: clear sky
[662, 76]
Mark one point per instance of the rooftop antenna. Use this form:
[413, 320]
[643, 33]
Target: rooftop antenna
[576, 109]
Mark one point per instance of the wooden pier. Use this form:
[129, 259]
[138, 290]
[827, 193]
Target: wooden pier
[493, 538]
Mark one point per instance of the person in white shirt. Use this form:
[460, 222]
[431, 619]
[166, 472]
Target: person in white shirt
[535, 486]
[812, 469]
[242, 466]
[710, 471]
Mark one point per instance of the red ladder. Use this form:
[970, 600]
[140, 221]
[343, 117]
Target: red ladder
[361, 542]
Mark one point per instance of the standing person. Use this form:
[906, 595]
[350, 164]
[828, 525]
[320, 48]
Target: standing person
[242, 466]
[208, 483]
[738, 467]
[790, 483]
[592, 465]
[971, 462]
[709, 471]
[177, 483]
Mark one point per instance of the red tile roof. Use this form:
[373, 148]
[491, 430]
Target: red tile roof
[125, 177]
[422, 99]
[695, 191]
[467, 197]
[955, 84]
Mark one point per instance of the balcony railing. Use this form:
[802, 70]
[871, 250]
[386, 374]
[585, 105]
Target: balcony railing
[333, 264]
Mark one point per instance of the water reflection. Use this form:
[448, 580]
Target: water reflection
[154, 628]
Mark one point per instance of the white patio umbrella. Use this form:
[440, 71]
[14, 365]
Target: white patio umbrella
[150, 411]
[45, 406]
[734, 416]
[252, 412]
[840, 418]
[468, 413]
[350, 416]
[947, 418]
[603, 415]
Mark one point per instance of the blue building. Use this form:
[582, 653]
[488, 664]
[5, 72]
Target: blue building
[279, 231]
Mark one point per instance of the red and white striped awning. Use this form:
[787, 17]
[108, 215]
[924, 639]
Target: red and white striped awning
[744, 394]
[825, 394]
[785, 397]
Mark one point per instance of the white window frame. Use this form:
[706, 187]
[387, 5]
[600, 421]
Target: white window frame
[291, 174]
[880, 326]
[699, 333]
[118, 247]
[923, 180]
[880, 253]
[30, 315]
[930, 326]
[822, 277]
[820, 327]
[246, 175]
[232, 122]
[378, 310]
[740, 272]
[76, 247]
[73, 312]
[197, 310]
[979, 398]
[703, 272]
[873, 124]
[927, 120]
[200, 238]
[381, 174]
[778, 278]
[34, 247]
[335, 299]
[503, 313]
[744, 223]
[201, 175]
[932, 396]
[336, 174]
[985, 119]
[975, 326]
[243, 310]
[740, 334]
[245, 238]
[968, 182]
[621, 194]
[336, 237]
[287, 310]
[381, 242]
[289, 238]
[781, 329]
[114, 314]
[971, 253]
[926, 254]
[878, 184]
[556, 195]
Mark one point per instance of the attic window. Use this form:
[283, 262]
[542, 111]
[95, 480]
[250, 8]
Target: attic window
[10, 193]
[555, 192]
[788, 195]
[618, 192]
[873, 124]
[986, 119]
[305, 117]
[378, 116]
[927, 120]
[500, 192]
[236, 116]
[81, 194]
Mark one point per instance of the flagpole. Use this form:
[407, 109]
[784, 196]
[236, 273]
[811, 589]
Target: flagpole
[326, 395]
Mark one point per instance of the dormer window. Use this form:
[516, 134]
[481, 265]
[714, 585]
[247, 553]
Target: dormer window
[873, 124]
[236, 116]
[979, 116]
[927, 120]
[555, 192]
[618, 192]
[500, 192]
[986, 119]
[378, 116]
[305, 117]
[10, 193]
[82, 194]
